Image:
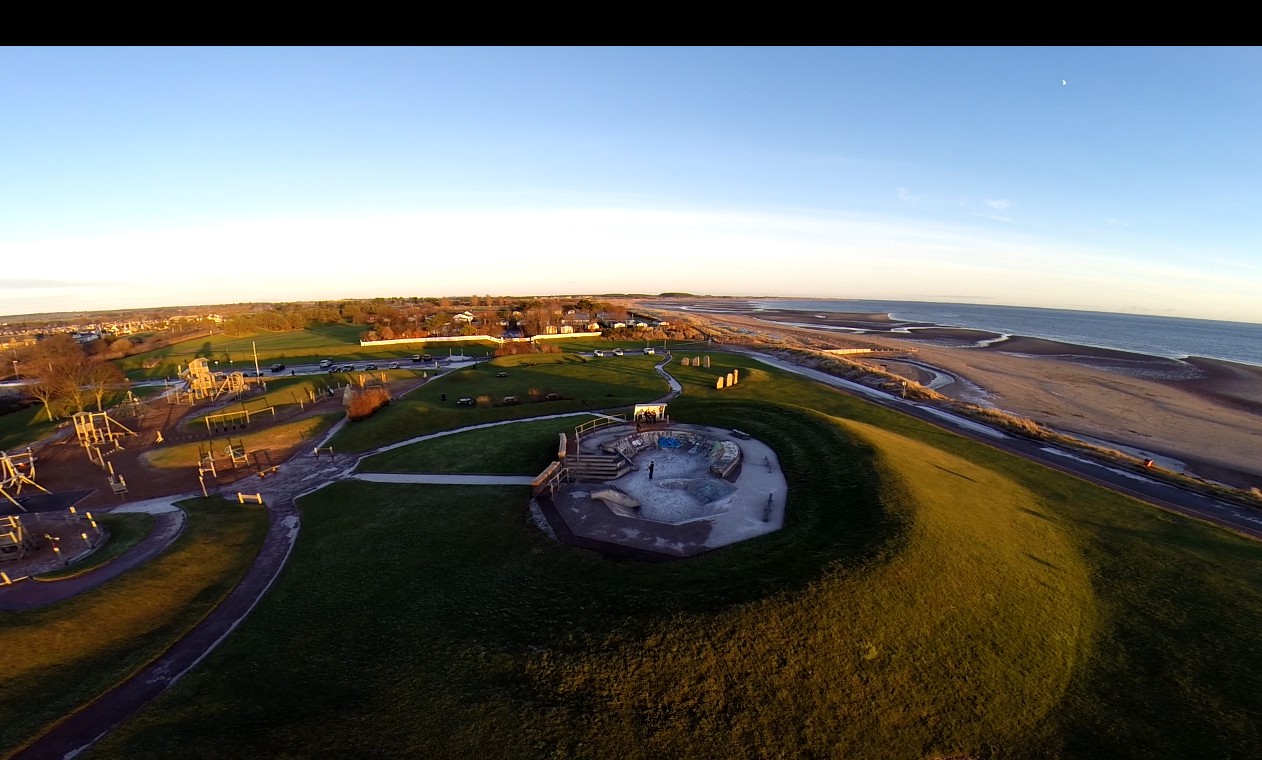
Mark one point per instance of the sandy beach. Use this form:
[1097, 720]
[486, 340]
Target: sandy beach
[1204, 413]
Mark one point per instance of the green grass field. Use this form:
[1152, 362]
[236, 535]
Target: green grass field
[333, 341]
[928, 597]
[124, 532]
[582, 385]
[59, 657]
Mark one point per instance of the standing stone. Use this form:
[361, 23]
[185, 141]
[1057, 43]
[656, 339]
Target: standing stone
[718, 384]
[707, 362]
[685, 361]
[729, 380]
[736, 376]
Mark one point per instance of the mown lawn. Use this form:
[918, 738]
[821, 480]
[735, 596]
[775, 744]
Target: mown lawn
[582, 385]
[60, 657]
[522, 448]
[927, 597]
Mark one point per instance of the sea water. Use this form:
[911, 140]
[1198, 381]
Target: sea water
[1172, 337]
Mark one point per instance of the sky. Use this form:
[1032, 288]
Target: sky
[1107, 179]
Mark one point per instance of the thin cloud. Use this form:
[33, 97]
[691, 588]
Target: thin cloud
[45, 284]
[906, 195]
[1000, 204]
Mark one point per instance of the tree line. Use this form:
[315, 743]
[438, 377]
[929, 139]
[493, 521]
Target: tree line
[65, 379]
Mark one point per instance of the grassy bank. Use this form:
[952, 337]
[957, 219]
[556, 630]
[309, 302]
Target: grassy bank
[927, 597]
[59, 657]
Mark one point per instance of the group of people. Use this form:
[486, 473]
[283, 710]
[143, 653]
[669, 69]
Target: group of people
[644, 418]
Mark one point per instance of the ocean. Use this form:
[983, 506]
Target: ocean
[1171, 337]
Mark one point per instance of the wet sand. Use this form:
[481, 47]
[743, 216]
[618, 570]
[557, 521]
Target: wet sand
[1206, 413]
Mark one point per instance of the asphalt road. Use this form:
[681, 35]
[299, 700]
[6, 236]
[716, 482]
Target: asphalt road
[1242, 520]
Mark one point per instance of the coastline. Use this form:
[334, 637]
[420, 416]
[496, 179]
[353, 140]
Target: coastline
[1205, 413]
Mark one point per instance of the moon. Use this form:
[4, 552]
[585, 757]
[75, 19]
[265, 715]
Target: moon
[1063, 83]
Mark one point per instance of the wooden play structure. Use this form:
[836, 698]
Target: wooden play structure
[15, 542]
[201, 382]
[98, 429]
[236, 418]
[17, 471]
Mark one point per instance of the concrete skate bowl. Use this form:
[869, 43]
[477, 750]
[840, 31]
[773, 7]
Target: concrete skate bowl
[678, 500]
[722, 458]
[692, 477]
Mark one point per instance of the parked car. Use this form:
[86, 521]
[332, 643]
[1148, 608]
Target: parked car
[394, 365]
[326, 363]
[552, 397]
[649, 350]
[278, 367]
[501, 374]
[510, 400]
[416, 357]
[466, 401]
[348, 367]
[369, 367]
[617, 352]
[598, 352]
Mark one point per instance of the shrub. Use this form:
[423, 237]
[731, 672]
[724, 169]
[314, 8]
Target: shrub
[364, 402]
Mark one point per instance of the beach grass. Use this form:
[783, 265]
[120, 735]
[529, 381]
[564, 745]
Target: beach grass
[59, 657]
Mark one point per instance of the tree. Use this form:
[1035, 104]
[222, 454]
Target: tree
[100, 378]
[56, 370]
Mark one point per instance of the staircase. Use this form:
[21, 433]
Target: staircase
[597, 467]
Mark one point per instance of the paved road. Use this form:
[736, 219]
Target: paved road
[1242, 520]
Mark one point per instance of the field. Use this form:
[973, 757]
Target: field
[332, 341]
[928, 597]
[610, 384]
[58, 657]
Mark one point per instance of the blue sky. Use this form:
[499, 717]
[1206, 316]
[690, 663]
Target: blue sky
[169, 176]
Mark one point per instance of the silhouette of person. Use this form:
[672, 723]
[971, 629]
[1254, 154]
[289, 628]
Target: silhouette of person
[651, 466]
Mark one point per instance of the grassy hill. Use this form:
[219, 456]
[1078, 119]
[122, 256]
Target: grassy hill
[928, 597]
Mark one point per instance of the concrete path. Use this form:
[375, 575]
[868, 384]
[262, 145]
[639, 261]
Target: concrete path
[441, 479]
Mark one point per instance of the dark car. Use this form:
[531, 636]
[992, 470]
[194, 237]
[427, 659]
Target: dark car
[278, 367]
[501, 374]
[370, 367]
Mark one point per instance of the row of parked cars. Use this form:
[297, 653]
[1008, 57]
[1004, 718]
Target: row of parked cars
[332, 368]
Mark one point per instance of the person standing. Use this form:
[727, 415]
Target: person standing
[651, 465]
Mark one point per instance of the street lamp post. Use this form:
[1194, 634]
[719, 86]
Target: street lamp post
[15, 370]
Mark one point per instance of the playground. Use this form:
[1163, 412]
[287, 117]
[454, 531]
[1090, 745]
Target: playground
[192, 440]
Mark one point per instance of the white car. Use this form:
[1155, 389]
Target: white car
[649, 350]
[598, 352]
[394, 365]
[617, 352]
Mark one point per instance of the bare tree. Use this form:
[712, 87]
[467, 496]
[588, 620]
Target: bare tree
[100, 378]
